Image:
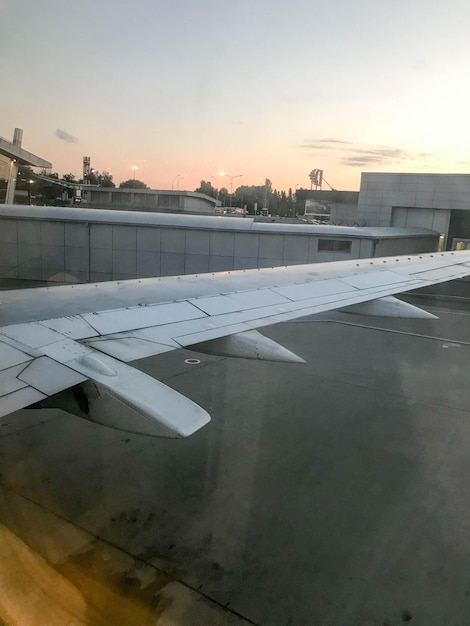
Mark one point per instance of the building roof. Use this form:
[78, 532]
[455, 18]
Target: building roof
[206, 222]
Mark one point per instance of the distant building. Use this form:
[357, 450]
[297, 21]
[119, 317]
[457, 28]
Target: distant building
[440, 202]
[152, 200]
[333, 207]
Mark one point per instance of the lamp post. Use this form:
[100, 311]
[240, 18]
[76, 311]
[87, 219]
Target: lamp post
[174, 180]
[11, 184]
[231, 183]
[134, 168]
[30, 181]
[180, 178]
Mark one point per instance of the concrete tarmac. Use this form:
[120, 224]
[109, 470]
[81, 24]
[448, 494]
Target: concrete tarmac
[335, 493]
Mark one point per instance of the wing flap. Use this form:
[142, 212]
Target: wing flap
[19, 400]
[48, 376]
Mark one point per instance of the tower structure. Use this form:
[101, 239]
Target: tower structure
[86, 169]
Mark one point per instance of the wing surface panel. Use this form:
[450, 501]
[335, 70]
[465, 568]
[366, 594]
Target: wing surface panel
[73, 326]
[19, 400]
[318, 288]
[9, 381]
[241, 301]
[128, 347]
[373, 279]
[120, 320]
[10, 356]
[34, 334]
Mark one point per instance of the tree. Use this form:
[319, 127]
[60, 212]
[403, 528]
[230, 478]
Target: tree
[44, 172]
[207, 188]
[133, 183]
[69, 178]
[223, 196]
[92, 178]
[95, 178]
[251, 196]
[106, 180]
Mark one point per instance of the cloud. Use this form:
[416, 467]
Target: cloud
[380, 156]
[65, 136]
[324, 144]
[322, 141]
[360, 155]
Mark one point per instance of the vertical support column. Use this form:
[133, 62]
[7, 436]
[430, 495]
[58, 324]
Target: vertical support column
[18, 137]
[13, 172]
[11, 185]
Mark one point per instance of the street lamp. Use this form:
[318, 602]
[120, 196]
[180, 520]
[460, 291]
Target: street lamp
[134, 168]
[216, 187]
[177, 179]
[221, 173]
[174, 180]
[181, 178]
[30, 181]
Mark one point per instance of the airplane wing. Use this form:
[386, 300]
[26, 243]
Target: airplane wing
[61, 347]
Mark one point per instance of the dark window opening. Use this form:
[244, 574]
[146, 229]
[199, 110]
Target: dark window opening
[334, 245]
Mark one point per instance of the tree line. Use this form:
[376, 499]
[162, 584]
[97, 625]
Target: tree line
[252, 198]
[100, 179]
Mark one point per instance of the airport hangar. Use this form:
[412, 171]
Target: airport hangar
[59, 244]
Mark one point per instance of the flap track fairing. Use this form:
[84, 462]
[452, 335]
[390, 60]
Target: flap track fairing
[249, 344]
[389, 306]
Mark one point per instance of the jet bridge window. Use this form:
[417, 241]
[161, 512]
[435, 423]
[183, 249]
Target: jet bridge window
[334, 245]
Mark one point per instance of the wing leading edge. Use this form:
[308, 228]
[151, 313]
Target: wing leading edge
[42, 359]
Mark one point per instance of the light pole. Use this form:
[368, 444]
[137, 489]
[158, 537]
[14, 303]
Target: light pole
[231, 183]
[11, 184]
[174, 180]
[30, 181]
[134, 168]
[180, 178]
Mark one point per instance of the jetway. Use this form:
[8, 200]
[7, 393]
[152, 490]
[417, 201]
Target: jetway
[18, 156]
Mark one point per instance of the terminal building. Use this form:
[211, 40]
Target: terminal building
[440, 202]
[61, 244]
[437, 201]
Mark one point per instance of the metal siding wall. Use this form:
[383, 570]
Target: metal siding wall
[74, 251]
